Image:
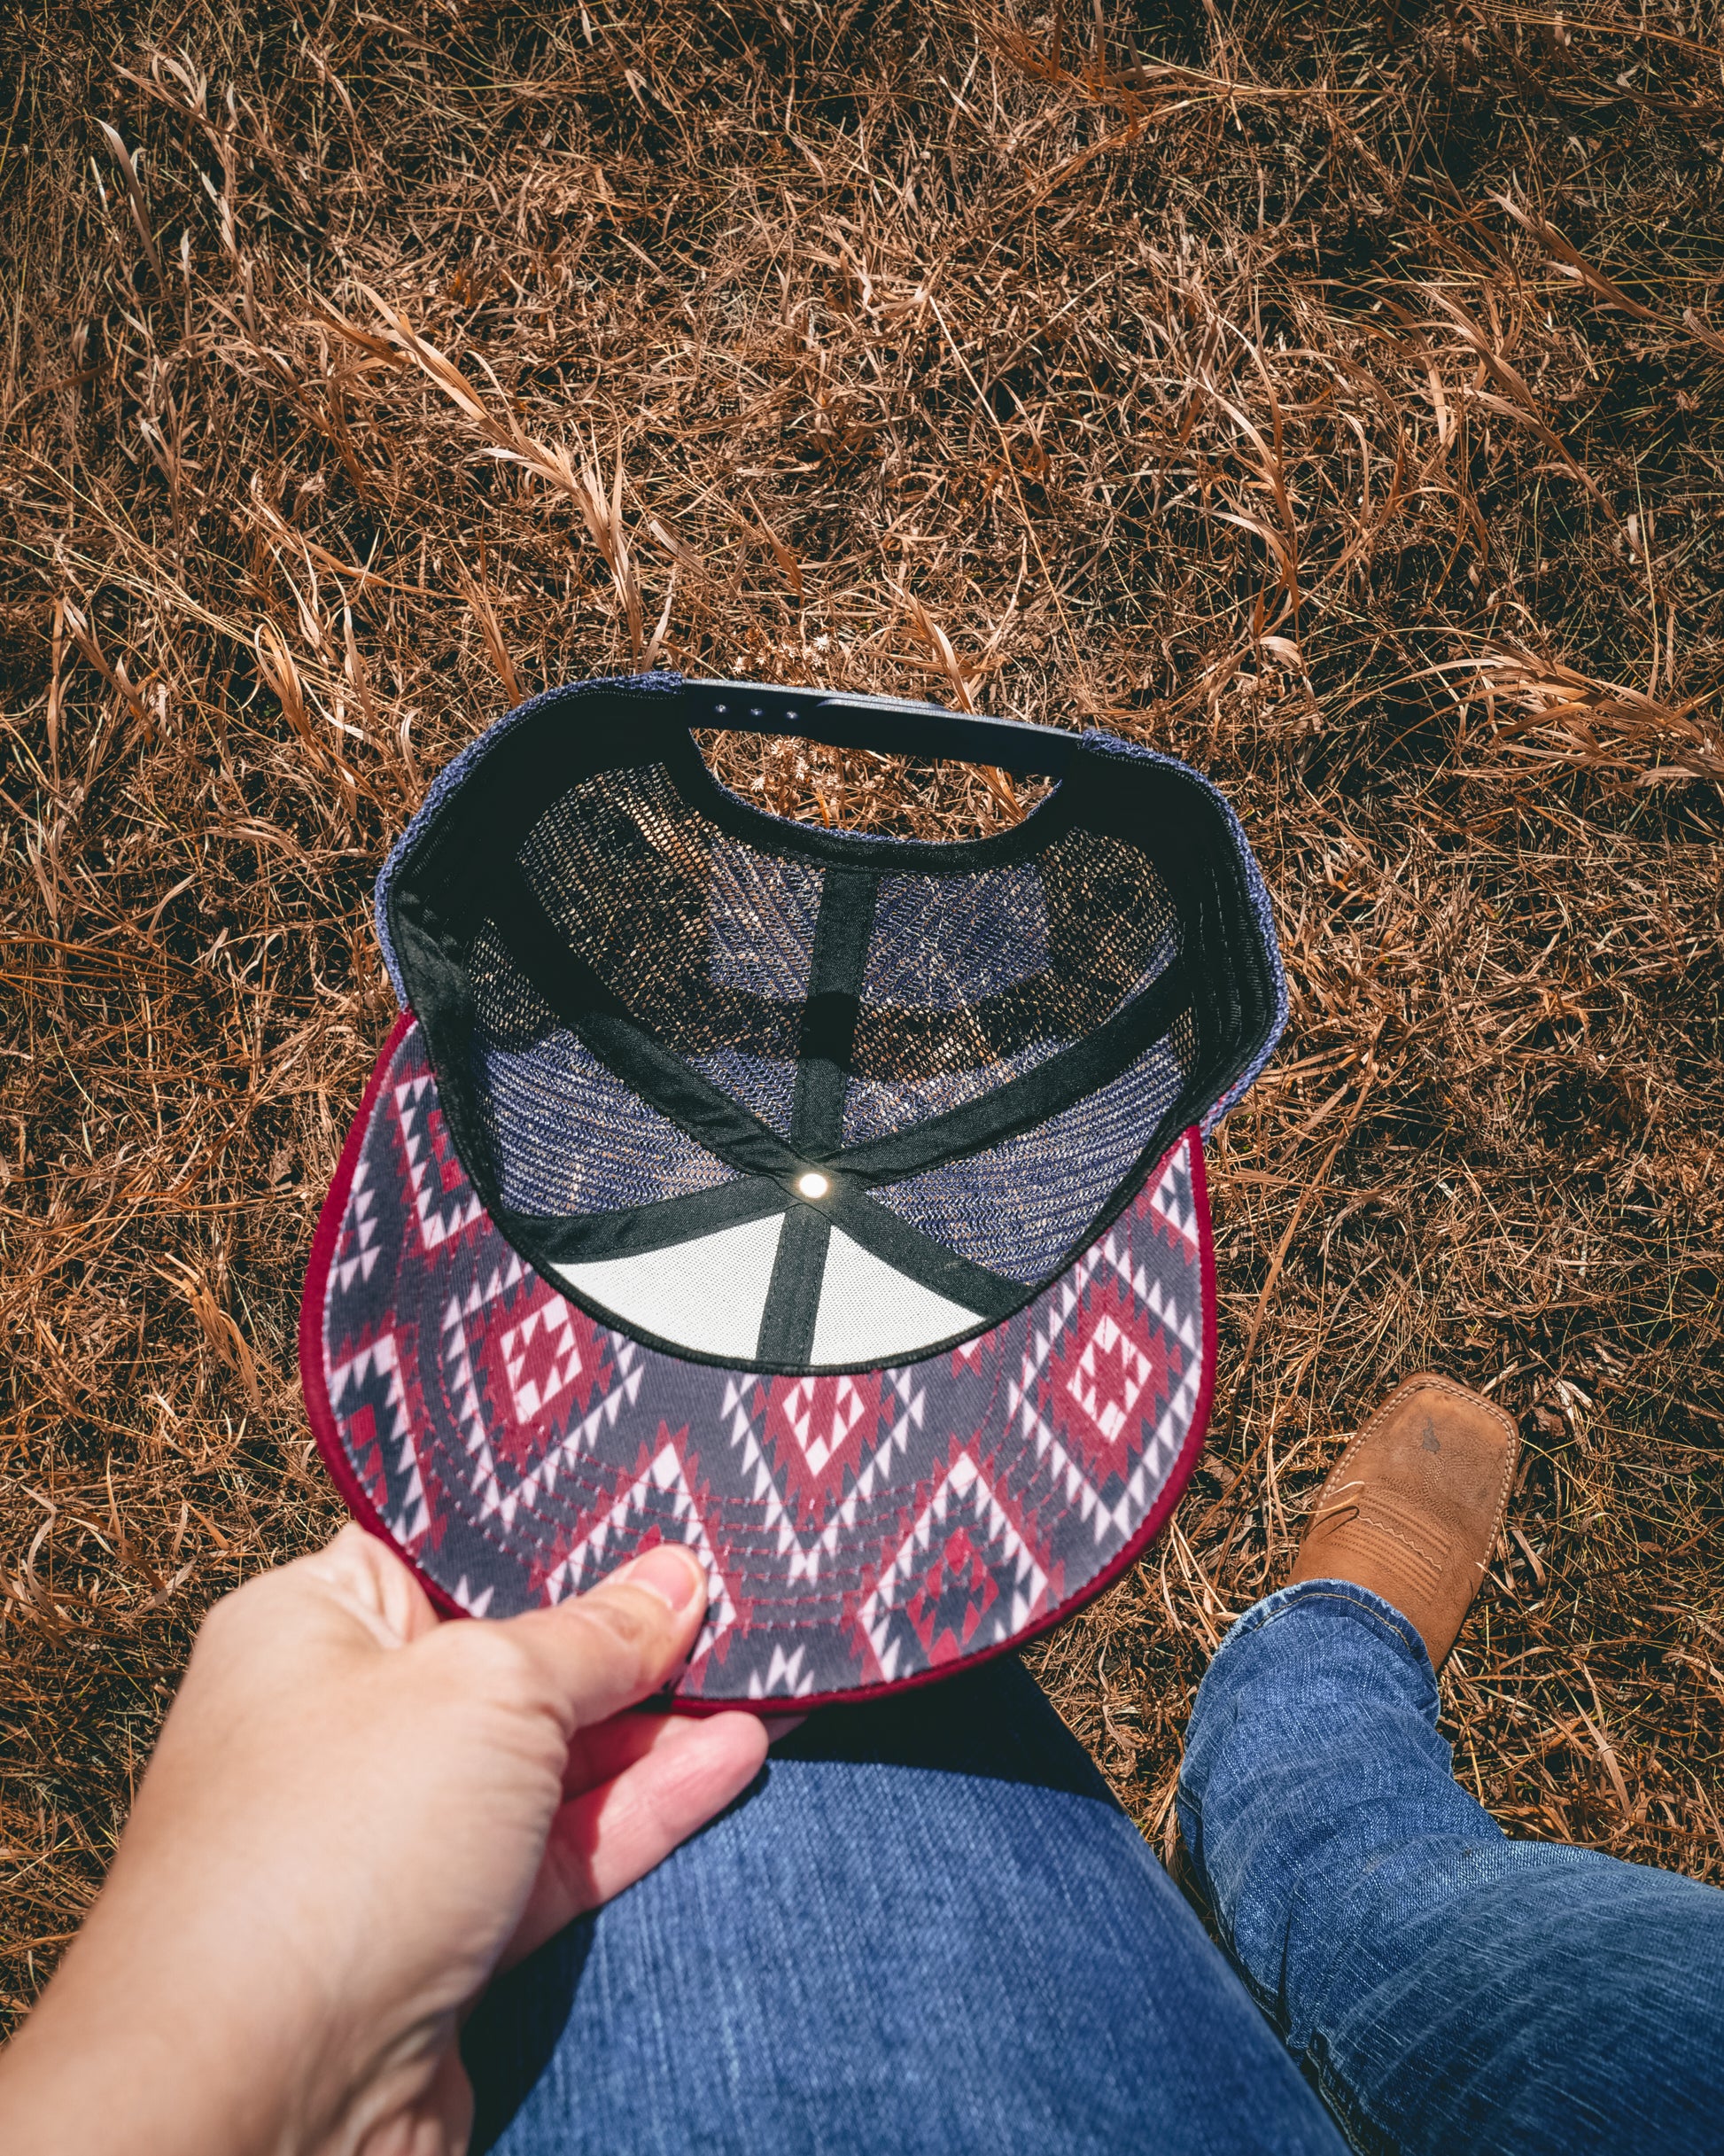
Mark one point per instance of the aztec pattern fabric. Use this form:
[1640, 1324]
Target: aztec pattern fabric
[858, 1531]
[832, 1202]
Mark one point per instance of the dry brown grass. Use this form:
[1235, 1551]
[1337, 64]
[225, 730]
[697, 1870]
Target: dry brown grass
[1330, 396]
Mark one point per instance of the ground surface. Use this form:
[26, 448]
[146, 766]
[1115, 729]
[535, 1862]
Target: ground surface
[1332, 396]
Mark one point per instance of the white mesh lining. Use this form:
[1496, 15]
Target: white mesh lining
[869, 1313]
[708, 1295]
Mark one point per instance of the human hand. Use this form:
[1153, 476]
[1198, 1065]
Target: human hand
[354, 1815]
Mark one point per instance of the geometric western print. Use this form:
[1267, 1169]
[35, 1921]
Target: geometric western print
[829, 1202]
[860, 1530]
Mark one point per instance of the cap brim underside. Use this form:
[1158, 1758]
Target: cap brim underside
[861, 1530]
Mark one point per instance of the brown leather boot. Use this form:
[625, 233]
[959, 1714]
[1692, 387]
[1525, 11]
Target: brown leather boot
[1413, 1508]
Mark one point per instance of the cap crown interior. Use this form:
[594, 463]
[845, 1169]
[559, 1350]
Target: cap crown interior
[796, 1100]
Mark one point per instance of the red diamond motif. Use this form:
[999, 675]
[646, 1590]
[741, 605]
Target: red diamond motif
[1101, 1394]
[1111, 1372]
[951, 1597]
[542, 1358]
[817, 1430]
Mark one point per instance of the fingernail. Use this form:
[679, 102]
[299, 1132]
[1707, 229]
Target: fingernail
[675, 1574]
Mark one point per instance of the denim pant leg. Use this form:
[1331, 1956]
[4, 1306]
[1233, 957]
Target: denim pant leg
[926, 1928]
[1448, 1987]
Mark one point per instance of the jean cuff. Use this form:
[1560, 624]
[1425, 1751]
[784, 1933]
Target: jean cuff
[1348, 1602]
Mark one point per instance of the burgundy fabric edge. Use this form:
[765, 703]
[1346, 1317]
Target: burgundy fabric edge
[325, 1244]
[357, 1499]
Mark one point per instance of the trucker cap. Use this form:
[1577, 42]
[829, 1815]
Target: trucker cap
[831, 1203]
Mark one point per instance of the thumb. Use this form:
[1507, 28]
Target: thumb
[622, 1641]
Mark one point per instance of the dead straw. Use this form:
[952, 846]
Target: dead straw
[1332, 398]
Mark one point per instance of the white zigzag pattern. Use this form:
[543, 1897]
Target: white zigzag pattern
[470, 1408]
[1166, 1203]
[1039, 1346]
[1148, 1292]
[1086, 1385]
[964, 1481]
[1156, 1461]
[806, 1558]
[847, 1411]
[435, 1227]
[1145, 1483]
[414, 1518]
[358, 1228]
[530, 1396]
[784, 1675]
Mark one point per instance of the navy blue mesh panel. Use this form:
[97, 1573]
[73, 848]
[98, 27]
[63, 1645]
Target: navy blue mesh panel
[708, 942]
[761, 914]
[969, 979]
[973, 980]
[1019, 1207]
[764, 1086]
[874, 1108]
[941, 942]
[565, 1136]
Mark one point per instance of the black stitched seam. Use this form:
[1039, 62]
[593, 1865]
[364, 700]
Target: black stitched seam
[1024, 1104]
[709, 1116]
[568, 984]
[793, 1297]
[579, 997]
[892, 1239]
[635, 1230]
[837, 967]
[615, 1038]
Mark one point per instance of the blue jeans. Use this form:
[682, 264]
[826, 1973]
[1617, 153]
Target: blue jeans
[1444, 1987]
[928, 1928]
